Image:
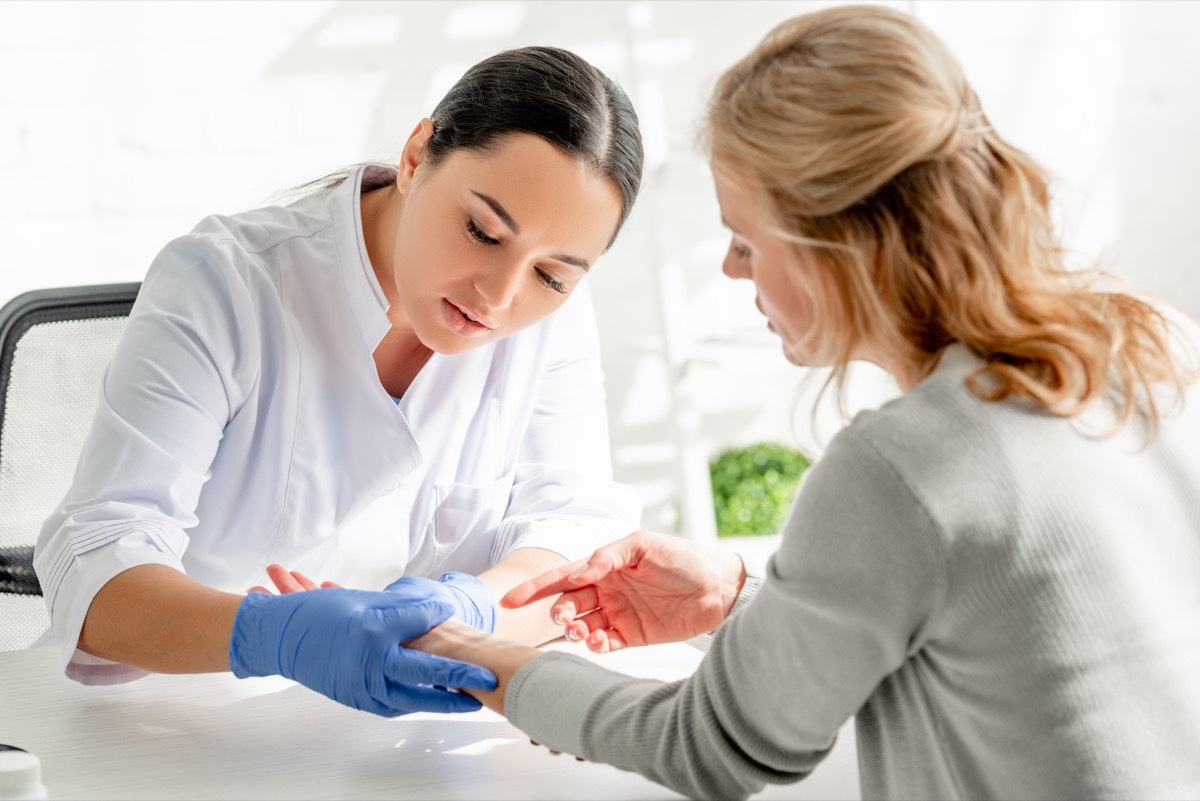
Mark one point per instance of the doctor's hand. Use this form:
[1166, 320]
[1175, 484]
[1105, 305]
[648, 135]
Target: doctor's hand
[291, 581]
[346, 644]
[641, 590]
[473, 602]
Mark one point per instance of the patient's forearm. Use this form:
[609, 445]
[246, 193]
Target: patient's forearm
[459, 641]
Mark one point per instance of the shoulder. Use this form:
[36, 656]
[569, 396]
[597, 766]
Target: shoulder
[941, 432]
[262, 229]
[243, 241]
[228, 255]
[197, 274]
[961, 459]
[208, 284]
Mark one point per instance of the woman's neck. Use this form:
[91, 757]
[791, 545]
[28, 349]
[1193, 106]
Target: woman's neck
[398, 359]
[400, 355]
[380, 219]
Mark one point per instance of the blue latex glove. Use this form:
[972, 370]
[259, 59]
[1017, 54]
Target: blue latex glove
[345, 644]
[473, 602]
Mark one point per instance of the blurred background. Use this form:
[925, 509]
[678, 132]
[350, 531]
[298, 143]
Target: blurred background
[124, 123]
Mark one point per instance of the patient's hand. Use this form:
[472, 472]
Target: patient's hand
[641, 590]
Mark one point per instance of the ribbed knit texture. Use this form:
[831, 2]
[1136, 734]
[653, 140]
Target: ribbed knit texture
[1010, 606]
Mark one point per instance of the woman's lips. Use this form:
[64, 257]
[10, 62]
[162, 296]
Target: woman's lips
[763, 312]
[458, 321]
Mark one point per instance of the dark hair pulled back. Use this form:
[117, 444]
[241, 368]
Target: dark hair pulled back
[550, 93]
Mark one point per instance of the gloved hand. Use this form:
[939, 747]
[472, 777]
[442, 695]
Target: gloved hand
[473, 601]
[345, 644]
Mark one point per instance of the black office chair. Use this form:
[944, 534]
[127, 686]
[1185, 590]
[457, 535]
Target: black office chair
[54, 347]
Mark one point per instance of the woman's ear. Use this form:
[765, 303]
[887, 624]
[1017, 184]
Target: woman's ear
[413, 155]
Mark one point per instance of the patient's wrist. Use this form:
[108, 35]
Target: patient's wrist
[735, 579]
[450, 639]
[456, 640]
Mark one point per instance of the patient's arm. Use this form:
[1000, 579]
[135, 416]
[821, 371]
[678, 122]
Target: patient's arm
[452, 636]
[530, 623]
[460, 641]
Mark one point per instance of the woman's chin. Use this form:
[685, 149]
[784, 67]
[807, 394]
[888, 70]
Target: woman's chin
[794, 357]
[801, 357]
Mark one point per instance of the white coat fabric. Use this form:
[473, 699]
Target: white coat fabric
[242, 422]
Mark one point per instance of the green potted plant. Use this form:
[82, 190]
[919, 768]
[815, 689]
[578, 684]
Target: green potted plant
[753, 487]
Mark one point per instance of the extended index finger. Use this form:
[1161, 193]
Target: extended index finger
[553, 582]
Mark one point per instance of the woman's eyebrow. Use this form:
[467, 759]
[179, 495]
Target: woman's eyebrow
[507, 219]
[495, 206]
[572, 260]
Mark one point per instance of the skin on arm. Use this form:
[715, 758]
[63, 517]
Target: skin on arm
[528, 624]
[643, 580]
[456, 640]
[158, 619]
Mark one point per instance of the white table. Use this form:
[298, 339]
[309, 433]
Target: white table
[213, 736]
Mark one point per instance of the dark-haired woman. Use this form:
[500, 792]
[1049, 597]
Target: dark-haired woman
[396, 374]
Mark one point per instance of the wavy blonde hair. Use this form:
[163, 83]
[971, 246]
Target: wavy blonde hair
[920, 226]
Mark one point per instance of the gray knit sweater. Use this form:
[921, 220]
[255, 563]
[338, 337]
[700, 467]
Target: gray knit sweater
[1010, 607]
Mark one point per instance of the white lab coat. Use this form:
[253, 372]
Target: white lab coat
[242, 422]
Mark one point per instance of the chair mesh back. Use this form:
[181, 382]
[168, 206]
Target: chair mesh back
[54, 371]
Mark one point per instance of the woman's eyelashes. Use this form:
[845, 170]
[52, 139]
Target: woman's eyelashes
[478, 233]
[738, 249]
[552, 282]
[480, 236]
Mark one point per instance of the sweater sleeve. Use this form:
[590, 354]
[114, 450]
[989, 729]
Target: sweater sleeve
[844, 603]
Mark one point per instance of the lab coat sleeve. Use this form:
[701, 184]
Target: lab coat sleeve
[179, 372]
[564, 498]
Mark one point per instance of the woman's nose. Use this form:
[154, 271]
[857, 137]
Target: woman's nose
[735, 267]
[500, 284]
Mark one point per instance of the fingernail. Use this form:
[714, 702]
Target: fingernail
[556, 618]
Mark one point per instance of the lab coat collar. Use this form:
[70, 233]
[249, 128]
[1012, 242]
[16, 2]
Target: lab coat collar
[368, 304]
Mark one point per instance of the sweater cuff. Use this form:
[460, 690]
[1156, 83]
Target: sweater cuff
[548, 698]
[749, 588]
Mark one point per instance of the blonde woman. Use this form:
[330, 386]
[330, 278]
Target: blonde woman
[997, 574]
